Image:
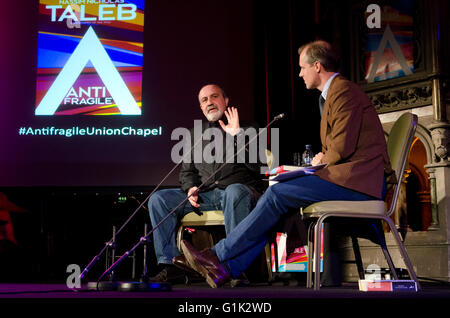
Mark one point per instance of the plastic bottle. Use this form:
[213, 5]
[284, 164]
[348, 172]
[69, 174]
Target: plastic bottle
[307, 156]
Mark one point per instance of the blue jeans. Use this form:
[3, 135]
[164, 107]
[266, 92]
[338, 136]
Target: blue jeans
[242, 245]
[236, 201]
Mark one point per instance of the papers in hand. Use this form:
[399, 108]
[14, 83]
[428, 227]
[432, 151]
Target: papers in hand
[284, 174]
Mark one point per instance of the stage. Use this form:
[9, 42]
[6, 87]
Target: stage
[199, 298]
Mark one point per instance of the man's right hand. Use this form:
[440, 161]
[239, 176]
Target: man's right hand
[233, 127]
[194, 197]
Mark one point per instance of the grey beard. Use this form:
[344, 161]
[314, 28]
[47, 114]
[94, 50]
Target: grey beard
[214, 116]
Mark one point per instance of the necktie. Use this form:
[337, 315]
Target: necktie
[321, 103]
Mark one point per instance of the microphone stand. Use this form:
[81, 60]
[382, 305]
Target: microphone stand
[112, 240]
[146, 286]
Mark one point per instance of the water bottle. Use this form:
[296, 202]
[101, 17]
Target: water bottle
[307, 156]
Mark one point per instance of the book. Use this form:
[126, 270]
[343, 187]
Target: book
[387, 285]
[297, 261]
[281, 169]
[300, 171]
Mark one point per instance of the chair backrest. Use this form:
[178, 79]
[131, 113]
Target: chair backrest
[398, 147]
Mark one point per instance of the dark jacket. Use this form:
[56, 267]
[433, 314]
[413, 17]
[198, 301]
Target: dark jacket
[195, 173]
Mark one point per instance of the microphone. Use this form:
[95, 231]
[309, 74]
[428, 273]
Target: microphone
[280, 116]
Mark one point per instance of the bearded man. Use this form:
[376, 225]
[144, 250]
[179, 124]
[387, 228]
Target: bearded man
[234, 189]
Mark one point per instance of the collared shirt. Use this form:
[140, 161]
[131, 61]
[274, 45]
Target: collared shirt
[327, 86]
[323, 95]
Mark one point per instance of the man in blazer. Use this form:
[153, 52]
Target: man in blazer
[353, 147]
[353, 144]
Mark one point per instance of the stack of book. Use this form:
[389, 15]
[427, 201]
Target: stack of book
[281, 169]
[287, 172]
[387, 285]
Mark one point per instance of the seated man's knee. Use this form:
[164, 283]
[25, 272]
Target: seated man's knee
[237, 189]
[271, 192]
[156, 201]
[156, 197]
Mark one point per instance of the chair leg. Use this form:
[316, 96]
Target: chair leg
[309, 270]
[358, 258]
[317, 250]
[387, 255]
[179, 237]
[268, 261]
[403, 252]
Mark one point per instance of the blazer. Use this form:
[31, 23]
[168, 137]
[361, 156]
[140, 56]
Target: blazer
[353, 141]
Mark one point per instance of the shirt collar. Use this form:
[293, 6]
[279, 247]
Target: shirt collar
[327, 86]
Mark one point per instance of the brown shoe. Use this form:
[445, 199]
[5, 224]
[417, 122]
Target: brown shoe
[181, 262]
[205, 263]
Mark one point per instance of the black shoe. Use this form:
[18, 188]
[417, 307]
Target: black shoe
[169, 274]
[241, 281]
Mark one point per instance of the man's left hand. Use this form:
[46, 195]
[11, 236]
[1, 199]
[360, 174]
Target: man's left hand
[233, 126]
[317, 159]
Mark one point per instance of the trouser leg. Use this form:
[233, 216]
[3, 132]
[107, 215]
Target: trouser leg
[245, 242]
[160, 204]
[237, 202]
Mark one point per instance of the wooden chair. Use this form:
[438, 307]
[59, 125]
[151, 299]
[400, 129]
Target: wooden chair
[211, 218]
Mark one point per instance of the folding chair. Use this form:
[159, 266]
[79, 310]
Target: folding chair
[398, 146]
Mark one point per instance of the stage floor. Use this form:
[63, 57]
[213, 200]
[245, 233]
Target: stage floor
[199, 298]
[202, 290]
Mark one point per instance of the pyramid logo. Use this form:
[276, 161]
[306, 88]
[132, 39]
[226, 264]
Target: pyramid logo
[388, 38]
[89, 49]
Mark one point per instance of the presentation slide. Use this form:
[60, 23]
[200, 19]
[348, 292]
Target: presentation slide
[93, 89]
[91, 70]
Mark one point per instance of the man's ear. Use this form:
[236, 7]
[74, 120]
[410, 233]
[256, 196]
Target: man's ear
[226, 101]
[317, 66]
